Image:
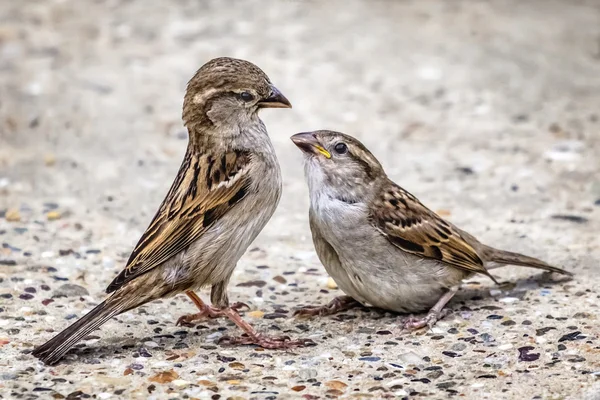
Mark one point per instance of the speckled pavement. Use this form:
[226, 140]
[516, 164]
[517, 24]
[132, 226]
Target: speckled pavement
[487, 110]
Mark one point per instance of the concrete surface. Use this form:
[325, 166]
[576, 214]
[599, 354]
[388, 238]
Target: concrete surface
[487, 110]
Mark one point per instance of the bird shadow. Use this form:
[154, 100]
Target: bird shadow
[468, 298]
[471, 296]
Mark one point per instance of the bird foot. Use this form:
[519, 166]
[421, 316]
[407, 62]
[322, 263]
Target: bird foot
[336, 305]
[413, 323]
[209, 312]
[266, 342]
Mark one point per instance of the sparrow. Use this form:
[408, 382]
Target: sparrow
[226, 190]
[379, 243]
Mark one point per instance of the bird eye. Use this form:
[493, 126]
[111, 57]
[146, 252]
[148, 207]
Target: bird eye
[341, 148]
[247, 97]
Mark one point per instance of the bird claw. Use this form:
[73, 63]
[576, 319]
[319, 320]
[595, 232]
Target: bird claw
[338, 304]
[208, 312]
[311, 311]
[413, 323]
[266, 342]
[237, 306]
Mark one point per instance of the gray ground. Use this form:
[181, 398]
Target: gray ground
[489, 111]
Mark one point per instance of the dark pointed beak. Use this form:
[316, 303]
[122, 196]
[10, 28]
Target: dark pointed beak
[308, 143]
[275, 100]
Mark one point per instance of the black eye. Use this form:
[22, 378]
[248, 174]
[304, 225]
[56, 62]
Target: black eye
[341, 148]
[247, 97]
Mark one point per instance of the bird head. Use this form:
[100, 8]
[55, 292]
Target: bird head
[339, 165]
[228, 92]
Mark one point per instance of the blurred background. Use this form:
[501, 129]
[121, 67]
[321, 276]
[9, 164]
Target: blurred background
[488, 111]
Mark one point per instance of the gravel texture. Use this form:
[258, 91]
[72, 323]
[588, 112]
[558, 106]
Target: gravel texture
[489, 111]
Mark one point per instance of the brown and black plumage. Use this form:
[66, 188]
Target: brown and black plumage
[381, 245]
[226, 190]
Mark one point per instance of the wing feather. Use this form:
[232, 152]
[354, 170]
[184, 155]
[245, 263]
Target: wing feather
[413, 228]
[205, 189]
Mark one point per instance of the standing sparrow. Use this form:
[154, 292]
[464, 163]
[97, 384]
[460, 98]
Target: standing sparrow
[378, 242]
[226, 190]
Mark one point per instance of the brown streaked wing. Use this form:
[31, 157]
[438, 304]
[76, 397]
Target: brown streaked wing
[205, 188]
[414, 228]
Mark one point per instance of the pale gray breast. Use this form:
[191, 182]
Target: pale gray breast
[220, 248]
[371, 269]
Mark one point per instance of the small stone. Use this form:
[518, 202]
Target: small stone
[570, 336]
[487, 338]
[338, 385]
[459, 346]
[331, 283]
[509, 299]
[256, 314]
[369, 359]
[53, 215]
[446, 385]
[12, 215]
[435, 374]
[524, 354]
[305, 374]
[237, 365]
[70, 290]
[256, 283]
[49, 159]
[165, 377]
[571, 218]
[450, 354]
[410, 358]
[543, 331]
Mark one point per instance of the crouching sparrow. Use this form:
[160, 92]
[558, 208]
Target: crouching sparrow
[379, 243]
[226, 190]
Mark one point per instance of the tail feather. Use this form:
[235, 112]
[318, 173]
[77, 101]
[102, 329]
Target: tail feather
[507, 257]
[53, 350]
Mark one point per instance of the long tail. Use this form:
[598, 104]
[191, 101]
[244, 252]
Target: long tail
[506, 257]
[54, 349]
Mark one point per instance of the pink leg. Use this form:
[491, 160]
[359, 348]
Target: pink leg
[206, 311]
[253, 337]
[436, 313]
[341, 303]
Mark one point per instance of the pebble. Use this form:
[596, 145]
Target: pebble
[53, 215]
[305, 374]
[410, 358]
[331, 283]
[108, 262]
[12, 215]
[70, 290]
[256, 314]
[459, 346]
[525, 355]
[509, 300]
[570, 336]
